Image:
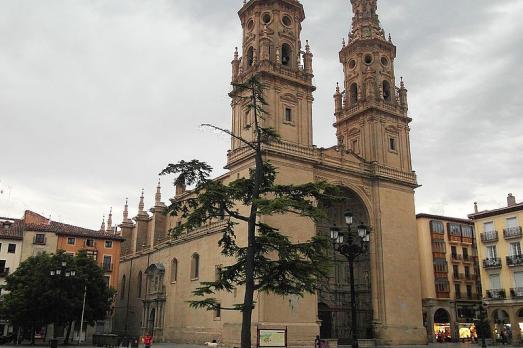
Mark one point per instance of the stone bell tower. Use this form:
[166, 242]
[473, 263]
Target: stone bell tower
[371, 114]
[272, 48]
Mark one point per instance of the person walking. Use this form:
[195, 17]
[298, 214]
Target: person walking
[147, 340]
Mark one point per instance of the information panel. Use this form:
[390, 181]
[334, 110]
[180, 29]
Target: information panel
[272, 338]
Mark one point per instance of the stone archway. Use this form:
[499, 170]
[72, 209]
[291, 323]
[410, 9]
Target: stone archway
[442, 316]
[501, 322]
[334, 296]
[443, 328]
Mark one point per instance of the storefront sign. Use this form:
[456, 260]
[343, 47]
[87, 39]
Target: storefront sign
[272, 338]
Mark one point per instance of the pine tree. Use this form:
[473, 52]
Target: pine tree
[269, 262]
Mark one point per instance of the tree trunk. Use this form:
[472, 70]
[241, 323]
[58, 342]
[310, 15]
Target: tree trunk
[33, 334]
[251, 237]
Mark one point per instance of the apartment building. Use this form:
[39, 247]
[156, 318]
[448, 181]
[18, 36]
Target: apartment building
[10, 255]
[451, 288]
[499, 231]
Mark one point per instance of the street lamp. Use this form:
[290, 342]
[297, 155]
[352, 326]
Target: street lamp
[356, 244]
[70, 273]
[482, 324]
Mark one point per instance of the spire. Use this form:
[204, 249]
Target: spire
[110, 220]
[365, 21]
[126, 211]
[158, 196]
[141, 205]
[102, 228]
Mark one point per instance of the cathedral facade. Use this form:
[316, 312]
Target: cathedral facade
[371, 163]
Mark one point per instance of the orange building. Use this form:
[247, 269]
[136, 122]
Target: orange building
[44, 235]
[103, 247]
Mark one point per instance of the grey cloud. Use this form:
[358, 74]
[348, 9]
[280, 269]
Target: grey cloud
[98, 96]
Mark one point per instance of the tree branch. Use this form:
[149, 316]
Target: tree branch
[229, 133]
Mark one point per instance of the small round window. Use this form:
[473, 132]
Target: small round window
[266, 18]
[368, 59]
[384, 61]
[250, 24]
[352, 64]
[287, 21]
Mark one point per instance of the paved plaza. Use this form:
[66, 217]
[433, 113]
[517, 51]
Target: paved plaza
[174, 345]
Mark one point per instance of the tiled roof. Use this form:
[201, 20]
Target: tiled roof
[70, 230]
[445, 218]
[14, 231]
[499, 211]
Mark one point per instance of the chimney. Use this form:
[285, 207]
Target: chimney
[476, 210]
[511, 200]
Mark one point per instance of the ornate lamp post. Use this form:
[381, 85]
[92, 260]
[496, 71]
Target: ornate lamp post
[70, 273]
[482, 324]
[351, 245]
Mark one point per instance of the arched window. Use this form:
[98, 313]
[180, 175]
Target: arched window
[354, 93]
[195, 266]
[122, 293]
[386, 91]
[174, 270]
[140, 284]
[250, 56]
[286, 54]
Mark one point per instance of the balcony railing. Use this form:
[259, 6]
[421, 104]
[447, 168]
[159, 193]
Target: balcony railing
[516, 292]
[512, 232]
[492, 263]
[490, 236]
[457, 257]
[4, 272]
[515, 260]
[467, 258]
[472, 277]
[458, 276]
[107, 267]
[496, 294]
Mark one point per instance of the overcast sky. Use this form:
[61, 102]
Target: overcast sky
[97, 96]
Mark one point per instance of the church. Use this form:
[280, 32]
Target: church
[371, 163]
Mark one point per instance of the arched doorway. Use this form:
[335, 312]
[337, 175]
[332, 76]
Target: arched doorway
[501, 321]
[520, 323]
[442, 328]
[334, 298]
[325, 316]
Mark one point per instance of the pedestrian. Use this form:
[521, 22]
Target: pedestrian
[503, 336]
[147, 340]
[317, 342]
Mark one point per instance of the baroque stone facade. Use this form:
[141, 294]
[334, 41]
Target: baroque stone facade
[371, 163]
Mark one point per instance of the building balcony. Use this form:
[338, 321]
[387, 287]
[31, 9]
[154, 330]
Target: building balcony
[516, 293]
[488, 237]
[4, 273]
[492, 263]
[457, 257]
[443, 294]
[107, 267]
[512, 232]
[472, 277]
[496, 294]
[515, 260]
[458, 276]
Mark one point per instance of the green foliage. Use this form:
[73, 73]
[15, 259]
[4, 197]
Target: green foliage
[35, 298]
[279, 265]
